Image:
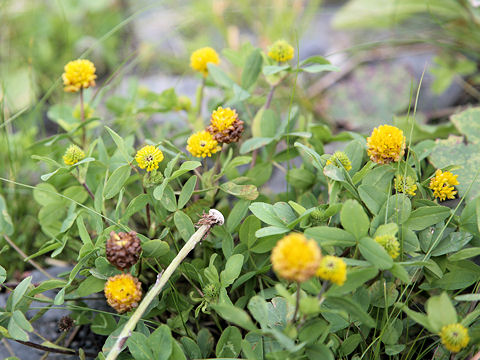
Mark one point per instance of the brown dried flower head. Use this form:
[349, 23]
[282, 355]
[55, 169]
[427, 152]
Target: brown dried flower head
[225, 126]
[123, 249]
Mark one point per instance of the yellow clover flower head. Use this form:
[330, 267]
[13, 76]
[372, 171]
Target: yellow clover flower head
[201, 57]
[390, 244]
[295, 257]
[342, 158]
[79, 74]
[202, 144]
[454, 337]
[149, 157]
[225, 126]
[442, 185]
[73, 155]
[123, 292]
[332, 268]
[281, 51]
[386, 144]
[405, 184]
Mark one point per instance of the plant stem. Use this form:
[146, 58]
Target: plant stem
[267, 105]
[162, 279]
[51, 349]
[147, 209]
[297, 302]
[24, 256]
[200, 99]
[82, 116]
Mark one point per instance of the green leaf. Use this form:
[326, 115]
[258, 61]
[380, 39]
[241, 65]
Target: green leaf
[465, 254]
[138, 203]
[237, 214]
[219, 76]
[184, 168]
[184, 225]
[426, 216]
[137, 344]
[116, 181]
[330, 236]
[160, 341]
[440, 312]
[271, 230]
[372, 197]
[247, 192]
[375, 254]
[234, 315]
[419, 318]
[169, 201]
[274, 69]
[155, 248]
[352, 307]
[187, 191]
[20, 291]
[356, 277]
[17, 325]
[82, 231]
[6, 224]
[230, 343]
[317, 68]
[454, 151]
[316, 159]
[252, 68]
[254, 143]
[269, 124]
[3, 274]
[120, 144]
[300, 179]
[103, 324]
[90, 286]
[233, 267]
[354, 219]
[247, 230]
[266, 213]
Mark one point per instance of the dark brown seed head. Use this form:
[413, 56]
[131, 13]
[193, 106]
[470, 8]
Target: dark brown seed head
[123, 249]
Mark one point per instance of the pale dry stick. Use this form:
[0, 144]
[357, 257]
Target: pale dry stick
[24, 256]
[214, 217]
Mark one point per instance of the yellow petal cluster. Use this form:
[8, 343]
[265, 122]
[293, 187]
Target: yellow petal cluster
[149, 157]
[454, 337]
[390, 244]
[295, 257]
[79, 74]
[73, 155]
[442, 185]
[201, 57]
[342, 158]
[202, 144]
[386, 144]
[123, 292]
[222, 118]
[281, 51]
[333, 269]
[405, 184]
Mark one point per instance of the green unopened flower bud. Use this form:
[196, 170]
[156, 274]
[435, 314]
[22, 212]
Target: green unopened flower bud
[405, 185]
[316, 214]
[211, 292]
[183, 103]
[152, 178]
[342, 158]
[73, 155]
[454, 337]
[390, 244]
[281, 51]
